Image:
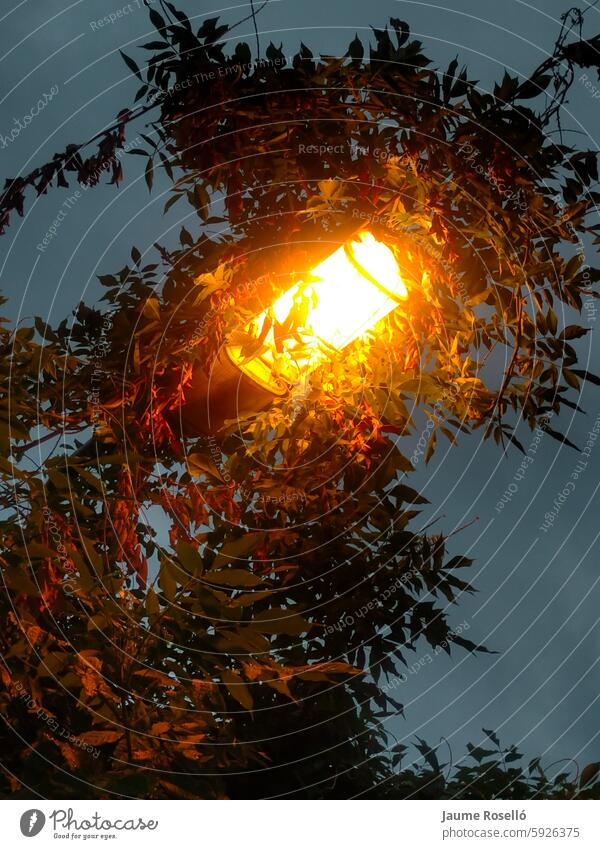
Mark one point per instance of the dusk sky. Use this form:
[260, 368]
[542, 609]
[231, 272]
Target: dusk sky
[537, 604]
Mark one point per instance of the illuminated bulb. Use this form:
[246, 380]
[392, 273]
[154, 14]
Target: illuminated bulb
[343, 297]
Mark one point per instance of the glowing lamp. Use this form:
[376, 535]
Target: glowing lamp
[341, 299]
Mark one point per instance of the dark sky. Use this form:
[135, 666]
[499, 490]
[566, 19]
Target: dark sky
[538, 595]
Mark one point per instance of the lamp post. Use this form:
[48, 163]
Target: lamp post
[333, 305]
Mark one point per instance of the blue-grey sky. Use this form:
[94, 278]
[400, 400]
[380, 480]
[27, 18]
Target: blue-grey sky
[538, 599]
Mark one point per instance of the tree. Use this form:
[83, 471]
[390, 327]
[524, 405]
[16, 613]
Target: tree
[292, 584]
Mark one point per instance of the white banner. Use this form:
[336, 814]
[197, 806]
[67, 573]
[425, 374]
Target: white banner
[298, 824]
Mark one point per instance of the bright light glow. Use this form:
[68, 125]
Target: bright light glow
[343, 297]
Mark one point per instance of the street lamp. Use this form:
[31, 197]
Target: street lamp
[341, 298]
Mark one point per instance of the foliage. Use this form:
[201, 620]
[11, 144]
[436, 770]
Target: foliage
[212, 664]
[490, 773]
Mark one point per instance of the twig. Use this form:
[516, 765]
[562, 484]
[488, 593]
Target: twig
[45, 438]
[249, 17]
[255, 29]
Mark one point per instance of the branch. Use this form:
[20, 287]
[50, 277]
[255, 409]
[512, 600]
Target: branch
[45, 438]
[88, 171]
[255, 29]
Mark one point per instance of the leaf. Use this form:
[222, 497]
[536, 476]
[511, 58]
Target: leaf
[201, 201]
[571, 379]
[152, 605]
[149, 173]
[185, 237]
[408, 495]
[280, 621]
[158, 21]
[107, 279]
[479, 754]
[560, 438]
[449, 79]
[237, 549]
[459, 563]
[469, 645]
[574, 331]
[166, 164]
[203, 464]
[233, 578]
[237, 688]
[512, 438]
[156, 45]
[172, 201]
[429, 754]
[17, 579]
[508, 88]
[401, 29]
[356, 51]
[430, 447]
[589, 774]
[181, 16]
[207, 27]
[99, 738]
[534, 85]
[131, 65]
[275, 54]
[189, 558]
[167, 581]
[242, 54]
[587, 375]
[493, 737]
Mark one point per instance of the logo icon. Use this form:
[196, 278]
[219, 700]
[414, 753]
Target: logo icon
[32, 822]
